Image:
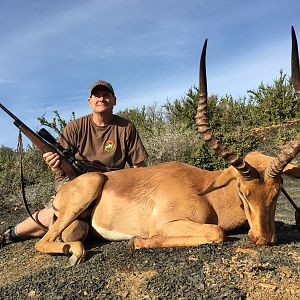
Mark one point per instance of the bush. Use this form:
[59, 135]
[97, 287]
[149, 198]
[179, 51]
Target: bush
[170, 142]
[35, 170]
[273, 104]
[9, 175]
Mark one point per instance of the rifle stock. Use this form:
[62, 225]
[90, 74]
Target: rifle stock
[66, 165]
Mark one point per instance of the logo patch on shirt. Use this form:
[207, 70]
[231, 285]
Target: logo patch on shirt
[109, 146]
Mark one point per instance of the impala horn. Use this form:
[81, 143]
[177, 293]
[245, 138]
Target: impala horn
[295, 65]
[293, 147]
[246, 170]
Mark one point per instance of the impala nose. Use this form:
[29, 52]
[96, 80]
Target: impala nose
[253, 238]
[262, 240]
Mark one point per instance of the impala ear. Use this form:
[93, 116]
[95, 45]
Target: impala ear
[292, 171]
[222, 180]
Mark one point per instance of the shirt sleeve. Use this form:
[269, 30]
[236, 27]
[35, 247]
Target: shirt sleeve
[136, 151]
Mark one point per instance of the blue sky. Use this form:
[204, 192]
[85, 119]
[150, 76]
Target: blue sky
[51, 51]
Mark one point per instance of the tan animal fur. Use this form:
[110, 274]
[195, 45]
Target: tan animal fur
[174, 204]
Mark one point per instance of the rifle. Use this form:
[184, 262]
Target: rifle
[47, 143]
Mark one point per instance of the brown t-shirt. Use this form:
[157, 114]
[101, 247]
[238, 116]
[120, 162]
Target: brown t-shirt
[108, 147]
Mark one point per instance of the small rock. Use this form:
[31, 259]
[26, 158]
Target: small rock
[268, 286]
[31, 294]
[192, 258]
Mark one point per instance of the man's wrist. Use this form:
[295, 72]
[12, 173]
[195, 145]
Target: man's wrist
[60, 173]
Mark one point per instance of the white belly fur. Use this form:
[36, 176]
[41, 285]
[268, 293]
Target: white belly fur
[111, 235]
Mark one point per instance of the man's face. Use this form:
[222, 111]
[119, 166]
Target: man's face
[102, 100]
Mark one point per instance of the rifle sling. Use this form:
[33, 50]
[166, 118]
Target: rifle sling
[20, 151]
[290, 200]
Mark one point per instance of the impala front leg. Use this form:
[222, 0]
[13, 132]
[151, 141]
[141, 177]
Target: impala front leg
[72, 200]
[48, 245]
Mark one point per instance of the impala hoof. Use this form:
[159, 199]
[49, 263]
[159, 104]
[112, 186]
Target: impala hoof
[75, 259]
[131, 244]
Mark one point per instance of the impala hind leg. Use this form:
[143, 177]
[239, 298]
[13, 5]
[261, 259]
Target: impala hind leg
[77, 231]
[72, 200]
[181, 233]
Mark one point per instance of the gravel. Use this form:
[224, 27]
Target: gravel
[235, 269]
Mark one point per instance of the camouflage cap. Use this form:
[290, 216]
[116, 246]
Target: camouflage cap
[102, 83]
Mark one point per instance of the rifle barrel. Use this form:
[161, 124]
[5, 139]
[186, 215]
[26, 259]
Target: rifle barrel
[66, 163]
[9, 113]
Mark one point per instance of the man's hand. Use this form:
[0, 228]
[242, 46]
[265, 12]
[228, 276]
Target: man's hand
[52, 160]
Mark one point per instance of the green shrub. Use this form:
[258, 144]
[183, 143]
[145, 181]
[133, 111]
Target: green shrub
[57, 123]
[273, 104]
[35, 171]
[9, 175]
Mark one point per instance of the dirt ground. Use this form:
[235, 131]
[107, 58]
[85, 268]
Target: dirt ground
[233, 270]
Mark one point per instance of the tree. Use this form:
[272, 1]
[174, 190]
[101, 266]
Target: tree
[57, 123]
